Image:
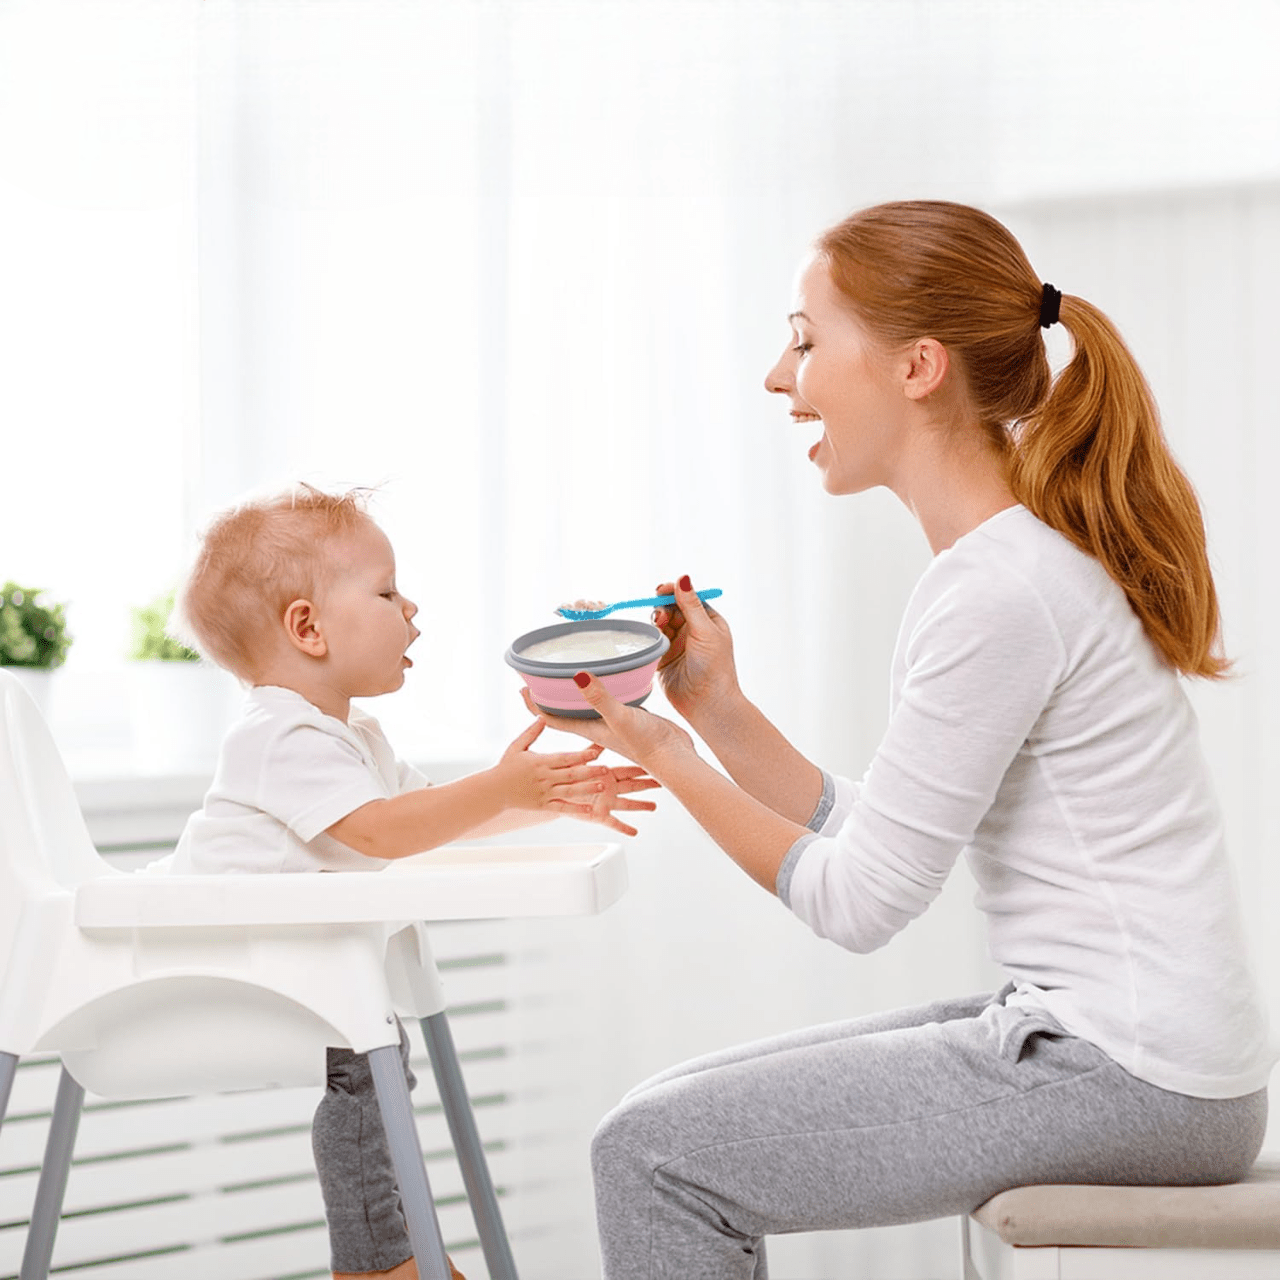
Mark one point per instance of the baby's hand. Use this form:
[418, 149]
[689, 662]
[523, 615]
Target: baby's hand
[570, 782]
[567, 780]
[613, 786]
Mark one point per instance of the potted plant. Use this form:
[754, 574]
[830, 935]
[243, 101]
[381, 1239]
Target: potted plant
[180, 704]
[33, 638]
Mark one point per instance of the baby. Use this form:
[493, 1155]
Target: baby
[296, 595]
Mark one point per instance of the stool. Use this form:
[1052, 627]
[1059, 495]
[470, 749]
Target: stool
[1129, 1233]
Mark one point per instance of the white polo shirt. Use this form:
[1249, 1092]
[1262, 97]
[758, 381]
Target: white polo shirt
[287, 772]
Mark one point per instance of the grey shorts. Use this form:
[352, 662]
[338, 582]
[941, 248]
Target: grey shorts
[367, 1231]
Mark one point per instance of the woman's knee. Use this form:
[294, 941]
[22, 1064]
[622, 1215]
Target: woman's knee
[611, 1140]
[628, 1140]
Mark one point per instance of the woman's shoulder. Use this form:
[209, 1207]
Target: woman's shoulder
[1014, 553]
[1014, 572]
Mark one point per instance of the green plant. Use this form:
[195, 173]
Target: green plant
[151, 639]
[33, 633]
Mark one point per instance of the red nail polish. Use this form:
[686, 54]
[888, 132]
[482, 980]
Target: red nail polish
[685, 584]
[582, 679]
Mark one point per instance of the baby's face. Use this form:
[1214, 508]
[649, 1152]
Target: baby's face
[366, 623]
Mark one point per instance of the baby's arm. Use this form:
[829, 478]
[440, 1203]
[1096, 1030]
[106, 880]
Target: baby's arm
[534, 785]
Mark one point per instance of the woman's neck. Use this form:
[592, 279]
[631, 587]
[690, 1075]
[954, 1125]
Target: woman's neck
[951, 488]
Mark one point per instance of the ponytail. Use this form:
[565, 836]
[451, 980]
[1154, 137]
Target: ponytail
[1092, 462]
[1085, 450]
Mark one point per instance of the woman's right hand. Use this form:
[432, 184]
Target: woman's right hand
[698, 669]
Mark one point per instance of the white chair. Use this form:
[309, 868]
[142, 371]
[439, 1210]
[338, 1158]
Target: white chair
[1129, 1233]
[152, 986]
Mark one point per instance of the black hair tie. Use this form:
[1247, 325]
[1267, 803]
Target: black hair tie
[1050, 305]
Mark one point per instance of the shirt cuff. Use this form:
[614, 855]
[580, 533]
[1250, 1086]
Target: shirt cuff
[788, 869]
[826, 802]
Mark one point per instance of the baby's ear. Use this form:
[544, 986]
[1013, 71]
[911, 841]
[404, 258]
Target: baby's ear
[301, 625]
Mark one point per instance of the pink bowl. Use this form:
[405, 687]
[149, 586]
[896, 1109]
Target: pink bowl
[628, 677]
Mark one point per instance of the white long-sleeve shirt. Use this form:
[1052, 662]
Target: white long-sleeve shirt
[1035, 727]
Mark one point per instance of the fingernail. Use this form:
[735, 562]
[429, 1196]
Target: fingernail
[685, 584]
[582, 679]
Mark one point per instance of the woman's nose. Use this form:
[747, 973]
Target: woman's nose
[778, 379]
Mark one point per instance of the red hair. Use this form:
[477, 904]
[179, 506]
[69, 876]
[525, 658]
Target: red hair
[1085, 450]
[253, 561]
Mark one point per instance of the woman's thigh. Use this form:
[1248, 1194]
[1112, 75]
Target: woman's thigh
[824, 1033]
[894, 1124]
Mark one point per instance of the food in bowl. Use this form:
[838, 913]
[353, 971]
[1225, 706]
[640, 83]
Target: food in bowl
[622, 655]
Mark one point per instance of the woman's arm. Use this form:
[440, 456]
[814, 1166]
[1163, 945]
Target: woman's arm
[760, 760]
[699, 679]
[753, 835]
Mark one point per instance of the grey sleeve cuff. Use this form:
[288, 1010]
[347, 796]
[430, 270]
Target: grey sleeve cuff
[826, 802]
[789, 864]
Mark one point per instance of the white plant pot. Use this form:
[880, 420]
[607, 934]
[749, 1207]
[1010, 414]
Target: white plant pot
[180, 710]
[39, 684]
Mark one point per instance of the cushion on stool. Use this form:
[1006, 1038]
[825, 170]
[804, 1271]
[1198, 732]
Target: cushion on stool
[1242, 1215]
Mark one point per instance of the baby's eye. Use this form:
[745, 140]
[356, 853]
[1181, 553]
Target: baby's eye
[388, 595]
[802, 348]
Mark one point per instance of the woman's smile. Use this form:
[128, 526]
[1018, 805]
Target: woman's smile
[804, 415]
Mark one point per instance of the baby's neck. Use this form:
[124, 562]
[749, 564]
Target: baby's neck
[316, 691]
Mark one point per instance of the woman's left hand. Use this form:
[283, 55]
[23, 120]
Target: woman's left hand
[639, 735]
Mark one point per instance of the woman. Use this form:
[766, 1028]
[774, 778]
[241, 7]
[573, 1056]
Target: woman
[1038, 725]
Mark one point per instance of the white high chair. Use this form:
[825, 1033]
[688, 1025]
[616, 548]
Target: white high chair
[152, 986]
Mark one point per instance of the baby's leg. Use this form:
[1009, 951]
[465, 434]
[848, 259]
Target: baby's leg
[367, 1232]
[405, 1271]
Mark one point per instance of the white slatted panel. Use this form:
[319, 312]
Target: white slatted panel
[224, 1186]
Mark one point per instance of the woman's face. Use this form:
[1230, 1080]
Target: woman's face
[837, 379]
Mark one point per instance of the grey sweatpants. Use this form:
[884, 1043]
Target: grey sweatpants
[898, 1117]
[367, 1231]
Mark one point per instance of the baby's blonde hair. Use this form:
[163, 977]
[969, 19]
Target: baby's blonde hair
[253, 561]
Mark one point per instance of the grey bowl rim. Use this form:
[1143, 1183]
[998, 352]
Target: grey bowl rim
[604, 667]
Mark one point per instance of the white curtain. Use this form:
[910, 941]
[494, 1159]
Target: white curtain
[524, 265]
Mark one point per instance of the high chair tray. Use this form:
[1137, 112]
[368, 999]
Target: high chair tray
[450, 883]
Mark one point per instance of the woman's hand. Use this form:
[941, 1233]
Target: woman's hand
[698, 669]
[632, 732]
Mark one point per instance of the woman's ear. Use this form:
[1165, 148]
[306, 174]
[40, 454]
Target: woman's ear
[926, 366]
[302, 626]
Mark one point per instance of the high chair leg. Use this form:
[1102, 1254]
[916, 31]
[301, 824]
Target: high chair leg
[53, 1179]
[406, 1157]
[466, 1142]
[8, 1067]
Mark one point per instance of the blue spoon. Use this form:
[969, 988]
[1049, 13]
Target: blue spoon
[587, 615]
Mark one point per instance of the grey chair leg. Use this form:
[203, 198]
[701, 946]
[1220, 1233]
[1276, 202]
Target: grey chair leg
[8, 1068]
[967, 1270]
[53, 1179]
[466, 1142]
[406, 1157]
